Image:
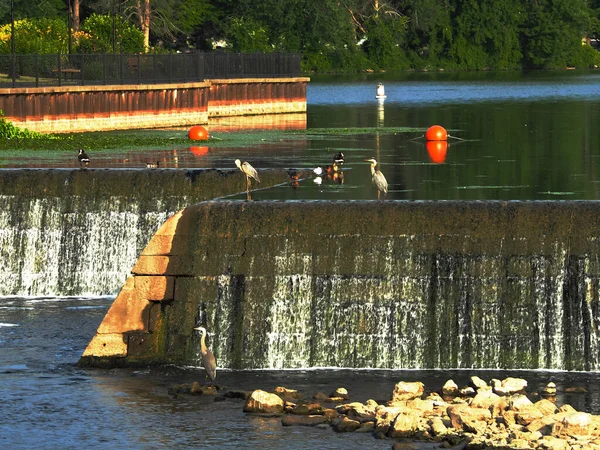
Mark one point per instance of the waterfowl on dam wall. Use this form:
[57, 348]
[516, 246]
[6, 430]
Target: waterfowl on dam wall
[208, 359]
[378, 178]
[152, 165]
[338, 160]
[83, 158]
[248, 170]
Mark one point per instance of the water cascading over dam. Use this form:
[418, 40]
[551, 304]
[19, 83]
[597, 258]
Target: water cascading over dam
[364, 284]
[74, 232]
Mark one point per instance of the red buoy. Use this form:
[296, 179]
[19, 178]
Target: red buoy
[199, 151]
[436, 133]
[198, 133]
[437, 151]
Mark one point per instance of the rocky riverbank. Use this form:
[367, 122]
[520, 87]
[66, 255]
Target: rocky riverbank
[500, 414]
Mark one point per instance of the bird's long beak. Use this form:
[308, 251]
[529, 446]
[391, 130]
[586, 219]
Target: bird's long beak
[198, 328]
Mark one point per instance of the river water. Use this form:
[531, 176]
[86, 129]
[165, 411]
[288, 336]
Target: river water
[513, 137]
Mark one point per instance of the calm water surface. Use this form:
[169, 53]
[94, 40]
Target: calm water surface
[513, 137]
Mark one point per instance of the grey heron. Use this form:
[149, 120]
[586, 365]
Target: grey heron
[208, 359]
[248, 170]
[378, 179]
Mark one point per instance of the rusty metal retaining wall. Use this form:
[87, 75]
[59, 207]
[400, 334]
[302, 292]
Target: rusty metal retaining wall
[93, 108]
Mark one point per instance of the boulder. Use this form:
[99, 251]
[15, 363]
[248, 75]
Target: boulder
[553, 443]
[263, 402]
[405, 425]
[469, 419]
[306, 421]
[286, 393]
[573, 424]
[340, 393]
[407, 391]
[546, 407]
[510, 386]
[450, 388]
[477, 383]
[484, 399]
[549, 390]
[526, 416]
[519, 403]
[437, 426]
[305, 409]
[344, 425]
[321, 396]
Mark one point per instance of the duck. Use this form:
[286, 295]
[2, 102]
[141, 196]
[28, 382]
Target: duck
[338, 160]
[152, 165]
[84, 159]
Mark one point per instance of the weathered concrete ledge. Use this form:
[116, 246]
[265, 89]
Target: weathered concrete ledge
[364, 284]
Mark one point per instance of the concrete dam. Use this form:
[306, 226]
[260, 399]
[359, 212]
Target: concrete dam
[380, 284]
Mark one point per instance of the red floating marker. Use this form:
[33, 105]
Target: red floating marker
[198, 133]
[437, 151]
[436, 133]
[199, 151]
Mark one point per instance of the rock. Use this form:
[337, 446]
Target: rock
[477, 383]
[546, 407]
[344, 425]
[405, 425]
[566, 408]
[305, 409]
[357, 410]
[450, 388]
[423, 407]
[467, 391]
[407, 391]
[437, 426]
[543, 425]
[484, 399]
[366, 427]
[510, 386]
[527, 416]
[519, 403]
[340, 393]
[575, 390]
[287, 393]
[553, 443]
[468, 419]
[306, 421]
[320, 396]
[549, 390]
[330, 414]
[237, 394]
[263, 402]
[573, 424]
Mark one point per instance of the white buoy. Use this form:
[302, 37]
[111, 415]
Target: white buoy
[380, 92]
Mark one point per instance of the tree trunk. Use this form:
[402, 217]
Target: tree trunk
[75, 19]
[143, 12]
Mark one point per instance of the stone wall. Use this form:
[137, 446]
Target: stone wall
[364, 284]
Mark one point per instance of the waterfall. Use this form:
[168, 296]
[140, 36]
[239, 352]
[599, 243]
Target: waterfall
[494, 295]
[62, 247]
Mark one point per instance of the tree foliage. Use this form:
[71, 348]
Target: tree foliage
[332, 35]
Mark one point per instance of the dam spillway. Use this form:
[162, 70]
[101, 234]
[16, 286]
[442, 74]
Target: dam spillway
[394, 284]
[72, 232]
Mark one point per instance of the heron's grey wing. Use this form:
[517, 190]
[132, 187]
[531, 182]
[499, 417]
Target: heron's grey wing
[210, 364]
[251, 171]
[380, 182]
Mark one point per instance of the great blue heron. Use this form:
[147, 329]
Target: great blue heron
[248, 170]
[378, 179]
[208, 359]
[83, 158]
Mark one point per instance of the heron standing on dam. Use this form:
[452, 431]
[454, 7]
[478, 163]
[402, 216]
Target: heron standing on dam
[208, 359]
[378, 178]
[249, 171]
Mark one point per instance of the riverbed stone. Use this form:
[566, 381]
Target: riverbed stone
[340, 393]
[573, 424]
[304, 420]
[407, 391]
[263, 402]
[510, 386]
[477, 383]
[345, 425]
[484, 399]
[450, 388]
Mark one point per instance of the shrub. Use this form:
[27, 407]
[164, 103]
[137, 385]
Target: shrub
[96, 35]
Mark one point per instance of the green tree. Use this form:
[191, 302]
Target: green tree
[552, 32]
[105, 33]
